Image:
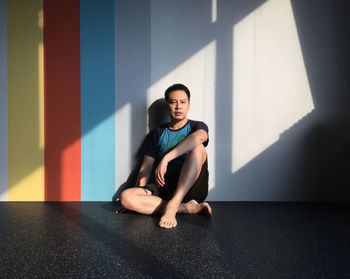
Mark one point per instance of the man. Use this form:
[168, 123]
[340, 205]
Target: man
[176, 149]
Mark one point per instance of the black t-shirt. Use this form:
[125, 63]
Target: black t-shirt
[161, 140]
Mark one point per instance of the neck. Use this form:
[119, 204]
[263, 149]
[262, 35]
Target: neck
[177, 124]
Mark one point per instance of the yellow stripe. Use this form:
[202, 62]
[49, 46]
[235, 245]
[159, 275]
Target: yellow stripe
[25, 100]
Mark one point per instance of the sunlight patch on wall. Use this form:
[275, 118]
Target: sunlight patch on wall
[68, 178]
[198, 74]
[214, 12]
[123, 155]
[271, 92]
[41, 95]
[96, 130]
[41, 82]
[17, 193]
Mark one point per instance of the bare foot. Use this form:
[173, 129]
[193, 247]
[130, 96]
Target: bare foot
[168, 219]
[193, 207]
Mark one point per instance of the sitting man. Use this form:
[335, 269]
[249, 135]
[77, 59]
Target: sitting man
[176, 150]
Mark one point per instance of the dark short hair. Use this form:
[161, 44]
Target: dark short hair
[177, 86]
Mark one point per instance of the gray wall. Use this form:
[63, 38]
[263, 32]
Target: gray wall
[3, 103]
[268, 77]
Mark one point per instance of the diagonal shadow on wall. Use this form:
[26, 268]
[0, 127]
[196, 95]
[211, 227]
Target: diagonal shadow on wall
[310, 159]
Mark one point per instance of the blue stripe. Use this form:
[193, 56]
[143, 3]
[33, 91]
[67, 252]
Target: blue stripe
[3, 103]
[97, 54]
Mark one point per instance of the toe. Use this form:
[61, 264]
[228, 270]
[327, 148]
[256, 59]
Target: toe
[163, 223]
[168, 224]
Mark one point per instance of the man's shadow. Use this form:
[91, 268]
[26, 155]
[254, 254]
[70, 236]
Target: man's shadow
[156, 115]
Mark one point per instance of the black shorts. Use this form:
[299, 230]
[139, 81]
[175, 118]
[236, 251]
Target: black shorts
[198, 192]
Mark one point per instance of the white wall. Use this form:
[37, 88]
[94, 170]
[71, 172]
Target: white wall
[251, 82]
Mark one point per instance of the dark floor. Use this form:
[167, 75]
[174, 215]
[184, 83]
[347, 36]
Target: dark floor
[240, 240]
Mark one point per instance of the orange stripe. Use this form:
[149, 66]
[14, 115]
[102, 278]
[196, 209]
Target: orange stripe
[62, 100]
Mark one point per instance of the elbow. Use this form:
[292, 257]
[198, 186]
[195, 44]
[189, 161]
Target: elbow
[202, 136]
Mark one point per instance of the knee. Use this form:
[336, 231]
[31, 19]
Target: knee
[200, 152]
[126, 199]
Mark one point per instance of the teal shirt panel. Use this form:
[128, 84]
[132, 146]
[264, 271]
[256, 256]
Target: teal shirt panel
[168, 140]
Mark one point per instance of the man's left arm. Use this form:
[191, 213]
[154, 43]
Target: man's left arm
[189, 143]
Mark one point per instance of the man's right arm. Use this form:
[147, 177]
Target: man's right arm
[145, 171]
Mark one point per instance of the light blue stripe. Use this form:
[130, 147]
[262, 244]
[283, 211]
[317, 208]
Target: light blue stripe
[3, 103]
[97, 54]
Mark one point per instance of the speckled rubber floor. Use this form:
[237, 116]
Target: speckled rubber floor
[240, 240]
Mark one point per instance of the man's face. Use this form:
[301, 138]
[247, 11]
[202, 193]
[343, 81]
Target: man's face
[178, 105]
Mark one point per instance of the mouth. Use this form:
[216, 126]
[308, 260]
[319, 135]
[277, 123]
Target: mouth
[178, 113]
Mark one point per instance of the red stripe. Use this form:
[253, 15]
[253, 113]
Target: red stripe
[62, 100]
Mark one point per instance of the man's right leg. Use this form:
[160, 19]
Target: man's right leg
[141, 200]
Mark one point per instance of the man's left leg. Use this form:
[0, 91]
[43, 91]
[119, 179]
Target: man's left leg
[188, 176]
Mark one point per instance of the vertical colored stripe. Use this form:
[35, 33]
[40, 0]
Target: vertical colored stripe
[62, 100]
[97, 99]
[25, 101]
[133, 59]
[3, 103]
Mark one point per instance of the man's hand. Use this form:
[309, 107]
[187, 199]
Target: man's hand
[160, 172]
